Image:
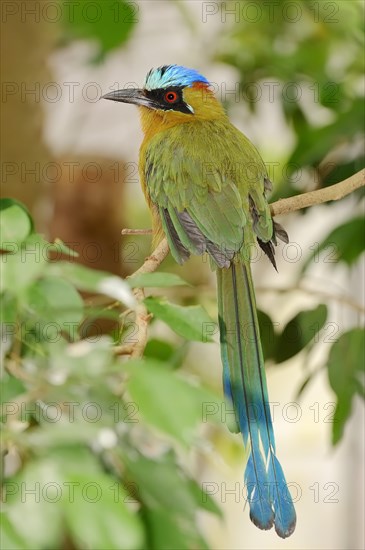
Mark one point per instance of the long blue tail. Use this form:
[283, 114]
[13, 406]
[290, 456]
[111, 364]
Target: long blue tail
[244, 383]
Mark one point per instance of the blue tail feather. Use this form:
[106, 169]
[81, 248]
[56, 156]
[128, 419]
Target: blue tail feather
[285, 517]
[244, 384]
[261, 512]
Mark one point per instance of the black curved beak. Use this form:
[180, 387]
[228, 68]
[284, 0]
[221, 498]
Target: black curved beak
[129, 95]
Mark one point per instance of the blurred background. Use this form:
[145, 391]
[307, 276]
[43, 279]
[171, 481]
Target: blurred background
[291, 75]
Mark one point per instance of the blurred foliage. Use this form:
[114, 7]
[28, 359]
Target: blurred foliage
[346, 376]
[99, 440]
[310, 55]
[345, 243]
[108, 23]
[188, 321]
[301, 331]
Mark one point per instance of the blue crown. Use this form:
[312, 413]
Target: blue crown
[172, 75]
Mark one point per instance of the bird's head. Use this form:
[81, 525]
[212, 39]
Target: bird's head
[172, 95]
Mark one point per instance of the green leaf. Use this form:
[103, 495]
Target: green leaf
[158, 479]
[158, 349]
[18, 271]
[52, 435]
[190, 322]
[98, 517]
[15, 224]
[204, 500]
[166, 400]
[267, 334]
[158, 279]
[344, 244]
[314, 143]
[54, 300]
[340, 172]
[59, 247]
[10, 388]
[163, 351]
[92, 280]
[109, 22]
[299, 332]
[346, 376]
[10, 538]
[69, 487]
[304, 384]
[8, 309]
[167, 534]
[33, 504]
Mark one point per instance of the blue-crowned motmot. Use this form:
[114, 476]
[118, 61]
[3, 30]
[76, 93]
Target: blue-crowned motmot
[206, 186]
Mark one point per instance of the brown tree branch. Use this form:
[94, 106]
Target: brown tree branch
[142, 316]
[283, 206]
[332, 193]
[156, 258]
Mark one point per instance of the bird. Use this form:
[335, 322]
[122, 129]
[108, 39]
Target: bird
[206, 187]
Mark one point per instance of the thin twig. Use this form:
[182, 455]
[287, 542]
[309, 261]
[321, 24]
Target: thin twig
[142, 316]
[127, 231]
[124, 349]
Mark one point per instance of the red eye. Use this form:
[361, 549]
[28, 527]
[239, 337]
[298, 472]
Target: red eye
[171, 97]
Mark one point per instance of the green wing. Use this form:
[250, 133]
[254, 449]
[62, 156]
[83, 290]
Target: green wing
[207, 200]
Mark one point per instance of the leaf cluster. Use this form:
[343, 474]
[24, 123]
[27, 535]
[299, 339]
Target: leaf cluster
[100, 441]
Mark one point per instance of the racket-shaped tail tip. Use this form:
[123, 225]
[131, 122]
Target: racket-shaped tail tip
[264, 522]
[285, 516]
[288, 530]
[261, 511]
